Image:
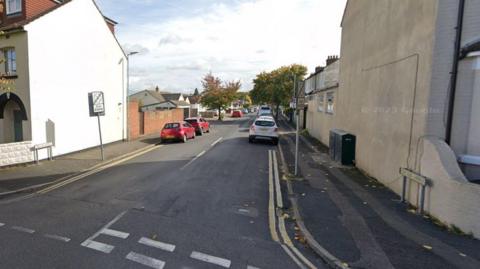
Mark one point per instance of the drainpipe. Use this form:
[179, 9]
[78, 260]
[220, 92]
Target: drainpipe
[454, 73]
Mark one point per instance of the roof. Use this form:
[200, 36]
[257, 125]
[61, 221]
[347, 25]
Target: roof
[153, 93]
[170, 96]
[194, 99]
[179, 103]
[22, 23]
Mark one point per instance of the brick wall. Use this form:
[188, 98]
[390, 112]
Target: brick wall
[15, 153]
[133, 120]
[153, 121]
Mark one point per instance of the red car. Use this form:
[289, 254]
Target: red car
[201, 125]
[237, 114]
[177, 131]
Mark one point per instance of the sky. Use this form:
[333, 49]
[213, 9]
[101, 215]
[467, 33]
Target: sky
[179, 41]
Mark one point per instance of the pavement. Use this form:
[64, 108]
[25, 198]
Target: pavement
[360, 222]
[25, 176]
[213, 202]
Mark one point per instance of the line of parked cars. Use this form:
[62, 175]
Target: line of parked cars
[184, 130]
[264, 127]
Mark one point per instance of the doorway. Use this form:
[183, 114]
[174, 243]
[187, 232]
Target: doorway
[17, 125]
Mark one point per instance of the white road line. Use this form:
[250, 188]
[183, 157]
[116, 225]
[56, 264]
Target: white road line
[277, 181]
[289, 253]
[210, 259]
[145, 260]
[2, 224]
[23, 229]
[89, 243]
[216, 141]
[115, 233]
[252, 267]
[194, 159]
[156, 244]
[57, 237]
[105, 248]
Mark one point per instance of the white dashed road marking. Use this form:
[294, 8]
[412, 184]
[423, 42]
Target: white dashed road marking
[115, 233]
[23, 229]
[105, 248]
[145, 260]
[216, 142]
[252, 267]
[57, 237]
[156, 244]
[2, 224]
[210, 259]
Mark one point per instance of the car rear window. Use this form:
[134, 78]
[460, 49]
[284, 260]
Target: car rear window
[171, 126]
[265, 123]
[191, 121]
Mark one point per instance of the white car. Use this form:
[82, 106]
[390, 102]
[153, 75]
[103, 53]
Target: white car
[264, 128]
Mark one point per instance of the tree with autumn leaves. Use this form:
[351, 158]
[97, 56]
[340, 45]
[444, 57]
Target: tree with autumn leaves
[218, 94]
[276, 87]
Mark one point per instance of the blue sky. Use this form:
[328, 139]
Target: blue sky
[181, 40]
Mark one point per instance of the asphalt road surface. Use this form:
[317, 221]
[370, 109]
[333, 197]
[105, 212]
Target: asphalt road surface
[203, 204]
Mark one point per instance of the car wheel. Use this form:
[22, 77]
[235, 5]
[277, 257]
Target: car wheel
[251, 139]
[275, 141]
[200, 132]
[184, 140]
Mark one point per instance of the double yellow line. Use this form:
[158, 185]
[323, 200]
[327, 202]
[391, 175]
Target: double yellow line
[275, 207]
[98, 168]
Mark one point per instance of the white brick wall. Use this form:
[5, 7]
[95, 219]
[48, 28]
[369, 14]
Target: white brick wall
[16, 153]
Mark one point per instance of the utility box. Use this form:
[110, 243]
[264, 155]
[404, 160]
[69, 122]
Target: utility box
[342, 148]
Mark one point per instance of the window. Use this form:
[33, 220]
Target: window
[330, 102]
[321, 103]
[10, 57]
[14, 6]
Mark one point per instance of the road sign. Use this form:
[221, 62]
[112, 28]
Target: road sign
[96, 103]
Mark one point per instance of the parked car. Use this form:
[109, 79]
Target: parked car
[200, 124]
[237, 114]
[180, 131]
[264, 128]
[245, 111]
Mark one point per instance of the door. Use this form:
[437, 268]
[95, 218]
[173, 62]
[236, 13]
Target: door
[141, 123]
[17, 125]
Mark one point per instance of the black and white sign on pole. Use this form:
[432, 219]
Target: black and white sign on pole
[96, 103]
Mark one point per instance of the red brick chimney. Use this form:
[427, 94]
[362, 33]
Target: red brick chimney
[332, 59]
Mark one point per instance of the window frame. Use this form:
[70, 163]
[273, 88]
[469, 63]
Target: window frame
[330, 102]
[10, 61]
[18, 6]
[321, 102]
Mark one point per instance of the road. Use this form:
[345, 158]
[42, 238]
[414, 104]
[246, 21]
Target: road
[208, 203]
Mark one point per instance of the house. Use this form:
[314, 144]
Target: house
[321, 89]
[154, 99]
[409, 90]
[196, 107]
[54, 53]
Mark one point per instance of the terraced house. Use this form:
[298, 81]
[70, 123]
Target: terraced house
[409, 90]
[55, 52]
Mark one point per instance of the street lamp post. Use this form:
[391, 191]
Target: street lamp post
[128, 87]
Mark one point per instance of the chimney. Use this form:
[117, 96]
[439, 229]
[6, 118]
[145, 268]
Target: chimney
[331, 59]
[157, 89]
[319, 69]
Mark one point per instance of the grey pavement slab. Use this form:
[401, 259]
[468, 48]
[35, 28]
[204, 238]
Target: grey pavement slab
[18, 177]
[318, 197]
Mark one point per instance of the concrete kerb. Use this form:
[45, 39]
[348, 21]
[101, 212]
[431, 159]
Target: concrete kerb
[324, 254]
[34, 188]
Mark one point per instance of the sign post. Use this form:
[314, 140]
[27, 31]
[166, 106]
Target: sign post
[97, 108]
[299, 105]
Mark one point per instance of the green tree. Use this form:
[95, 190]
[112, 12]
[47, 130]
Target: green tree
[196, 92]
[276, 87]
[217, 94]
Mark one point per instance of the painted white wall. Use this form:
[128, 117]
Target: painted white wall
[72, 52]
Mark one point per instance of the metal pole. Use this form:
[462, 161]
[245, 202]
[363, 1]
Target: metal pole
[123, 100]
[297, 132]
[128, 93]
[101, 141]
